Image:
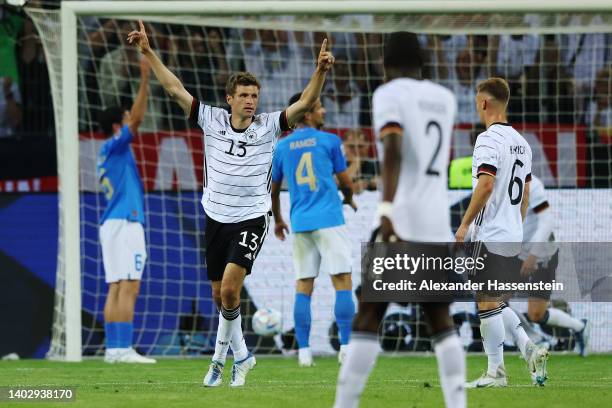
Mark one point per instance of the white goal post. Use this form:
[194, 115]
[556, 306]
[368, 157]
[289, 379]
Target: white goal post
[67, 126]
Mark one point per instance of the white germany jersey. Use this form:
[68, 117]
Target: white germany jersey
[237, 164]
[425, 111]
[502, 152]
[538, 202]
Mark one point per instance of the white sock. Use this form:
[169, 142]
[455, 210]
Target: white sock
[227, 321]
[237, 342]
[493, 333]
[559, 318]
[361, 355]
[451, 368]
[304, 354]
[529, 328]
[514, 328]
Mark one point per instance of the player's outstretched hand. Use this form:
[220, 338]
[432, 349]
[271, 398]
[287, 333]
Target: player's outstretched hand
[326, 59]
[139, 38]
[280, 229]
[386, 230]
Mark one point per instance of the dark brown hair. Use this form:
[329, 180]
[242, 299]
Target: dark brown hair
[240, 78]
[496, 87]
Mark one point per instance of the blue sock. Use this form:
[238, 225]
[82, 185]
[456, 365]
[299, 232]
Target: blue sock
[125, 332]
[302, 318]
[344, 310]
[110, 332]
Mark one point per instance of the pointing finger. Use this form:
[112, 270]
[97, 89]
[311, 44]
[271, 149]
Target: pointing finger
[323, 46]
[142, 29]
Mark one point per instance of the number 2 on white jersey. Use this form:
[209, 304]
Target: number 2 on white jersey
[305, 166]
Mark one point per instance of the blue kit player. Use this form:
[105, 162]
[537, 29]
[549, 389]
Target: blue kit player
[309, 159]
[121, 227]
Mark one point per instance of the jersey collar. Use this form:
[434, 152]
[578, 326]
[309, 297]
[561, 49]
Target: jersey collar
[240, 130]
[500, 123]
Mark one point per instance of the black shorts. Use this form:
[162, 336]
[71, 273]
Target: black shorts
[544, 273]
[237, 243]
[504, 269]
[416, 249]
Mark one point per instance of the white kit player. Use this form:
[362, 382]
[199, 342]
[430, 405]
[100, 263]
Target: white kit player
[501, 172]
[238, 151]
[414, 120]
[540, 256]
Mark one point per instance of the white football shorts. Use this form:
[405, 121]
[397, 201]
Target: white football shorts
[327, 250]
[123, 250]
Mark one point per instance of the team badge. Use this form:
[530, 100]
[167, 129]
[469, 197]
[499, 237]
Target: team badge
[251, 136]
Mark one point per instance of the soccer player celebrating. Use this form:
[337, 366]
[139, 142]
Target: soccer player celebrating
[414, 120]
[238, 150]
[501, 171]
[310, 158]
[540, 257]
[121, 232]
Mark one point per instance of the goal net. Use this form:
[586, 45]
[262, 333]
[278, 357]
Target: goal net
[558, 65]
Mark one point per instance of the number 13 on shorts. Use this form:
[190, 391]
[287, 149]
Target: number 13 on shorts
[252, 245]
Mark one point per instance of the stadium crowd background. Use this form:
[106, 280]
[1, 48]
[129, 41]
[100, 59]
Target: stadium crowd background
[555, 80]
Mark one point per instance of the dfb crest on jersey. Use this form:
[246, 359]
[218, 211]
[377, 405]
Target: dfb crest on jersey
[251, 136]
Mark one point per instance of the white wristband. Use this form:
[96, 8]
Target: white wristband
[385, 209]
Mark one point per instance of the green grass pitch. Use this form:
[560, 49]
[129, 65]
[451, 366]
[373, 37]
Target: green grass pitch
[401, 381]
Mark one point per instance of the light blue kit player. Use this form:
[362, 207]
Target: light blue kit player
[121, 227]
[309, 158]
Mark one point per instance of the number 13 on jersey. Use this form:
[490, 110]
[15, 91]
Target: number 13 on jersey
[304, 174]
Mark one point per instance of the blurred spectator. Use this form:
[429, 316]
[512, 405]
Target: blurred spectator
[362, 169]
[10, 25]
[583, 55]
[342, 99]
[445, 49]
[272, 56]
[97, 37]
[516, 61]
[10, 107]
[599, 114]
[118, 81]
[35, 86]
[308, 46]
[369, 71]
[558, 95]
[468, 74]
[198, 57]
[599, 119]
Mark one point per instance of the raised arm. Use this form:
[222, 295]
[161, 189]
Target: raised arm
[139, 107]
[169, 81]
[312, 92]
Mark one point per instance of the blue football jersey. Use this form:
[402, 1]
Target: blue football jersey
[309, 158]
[120, 180]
